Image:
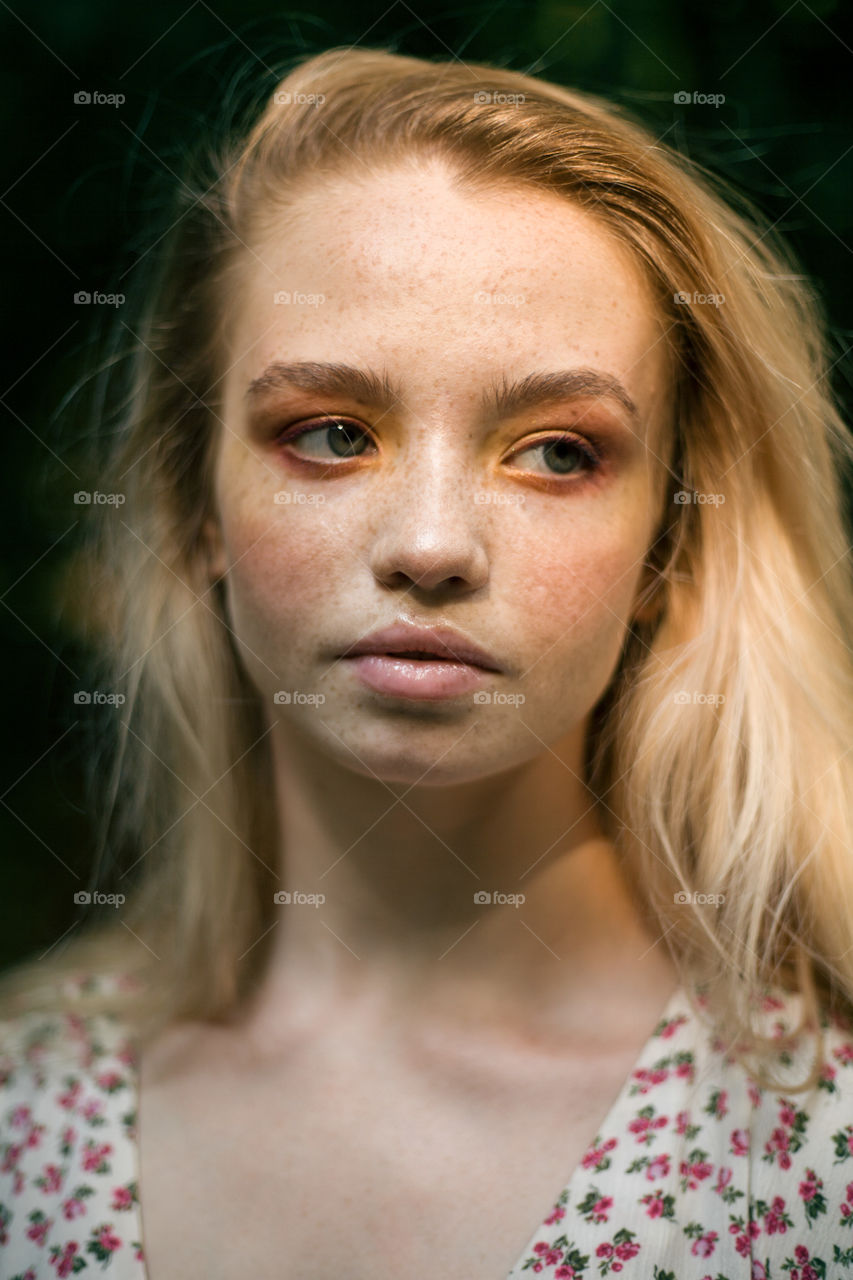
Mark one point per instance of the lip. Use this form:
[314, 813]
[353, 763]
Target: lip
[444, 642]
[456, 665]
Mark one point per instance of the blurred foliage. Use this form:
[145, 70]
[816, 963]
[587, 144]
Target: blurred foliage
[83, 192]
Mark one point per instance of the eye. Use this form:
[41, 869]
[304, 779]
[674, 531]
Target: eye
[329, 438]
[564, 454]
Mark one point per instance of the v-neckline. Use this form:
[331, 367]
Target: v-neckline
[607, 1126]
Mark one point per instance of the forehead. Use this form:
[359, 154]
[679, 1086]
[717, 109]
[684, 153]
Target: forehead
[404, 268]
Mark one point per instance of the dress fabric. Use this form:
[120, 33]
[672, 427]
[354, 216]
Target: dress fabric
[696, 1173]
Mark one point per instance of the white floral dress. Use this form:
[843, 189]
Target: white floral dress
[695, 1173]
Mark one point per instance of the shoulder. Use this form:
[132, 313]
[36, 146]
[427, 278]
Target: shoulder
[68, 1164]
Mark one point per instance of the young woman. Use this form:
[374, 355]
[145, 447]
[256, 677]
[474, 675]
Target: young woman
[481, 598]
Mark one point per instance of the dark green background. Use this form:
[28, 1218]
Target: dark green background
[85, 189]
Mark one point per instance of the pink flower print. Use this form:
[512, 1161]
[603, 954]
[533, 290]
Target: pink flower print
[724, 1177]
[64, 1262]
[13, 1154]
[39, 1229]
[758, 1272]
[828, 1072]
[654, 1204]
[555, 1215]
[69, 1098]
[92, 1110]
[604, 1250]
[626, 1250]
[73, 1208]
[705, 1245]
[95, 1158]
[682, 1120]
[107, 1240]
[51, 1179]
[122, 1198]
[658, 1168]
[740, 1142]
[20, 1116]
[601, 1207]
[565, 1273]
[695, 1172]
[109, 1081]
[684, 1069]
[844, 1053]
[34, 1136]
[808, 1188]
[787, 1114]
[755, 1094]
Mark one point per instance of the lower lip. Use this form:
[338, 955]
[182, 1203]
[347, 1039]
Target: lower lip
[417, 677]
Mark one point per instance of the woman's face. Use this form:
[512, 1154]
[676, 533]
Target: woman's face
[441, 507]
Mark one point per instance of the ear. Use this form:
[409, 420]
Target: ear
[214, 550]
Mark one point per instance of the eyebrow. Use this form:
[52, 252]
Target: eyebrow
[503, 399]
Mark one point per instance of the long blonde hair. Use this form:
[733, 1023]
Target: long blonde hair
[719, 753]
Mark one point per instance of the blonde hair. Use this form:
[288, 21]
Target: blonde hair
[720, 752]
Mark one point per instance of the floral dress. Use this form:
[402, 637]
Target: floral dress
[695, 1173]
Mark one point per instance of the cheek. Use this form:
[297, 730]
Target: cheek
[285, 563]
[577, 591]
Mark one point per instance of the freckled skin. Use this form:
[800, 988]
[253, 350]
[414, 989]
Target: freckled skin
[547, 584]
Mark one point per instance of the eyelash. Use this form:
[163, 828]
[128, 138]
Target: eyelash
[593, 459]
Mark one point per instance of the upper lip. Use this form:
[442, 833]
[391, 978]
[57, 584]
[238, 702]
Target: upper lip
[444, 642]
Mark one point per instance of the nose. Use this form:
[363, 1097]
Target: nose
[428, 524]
